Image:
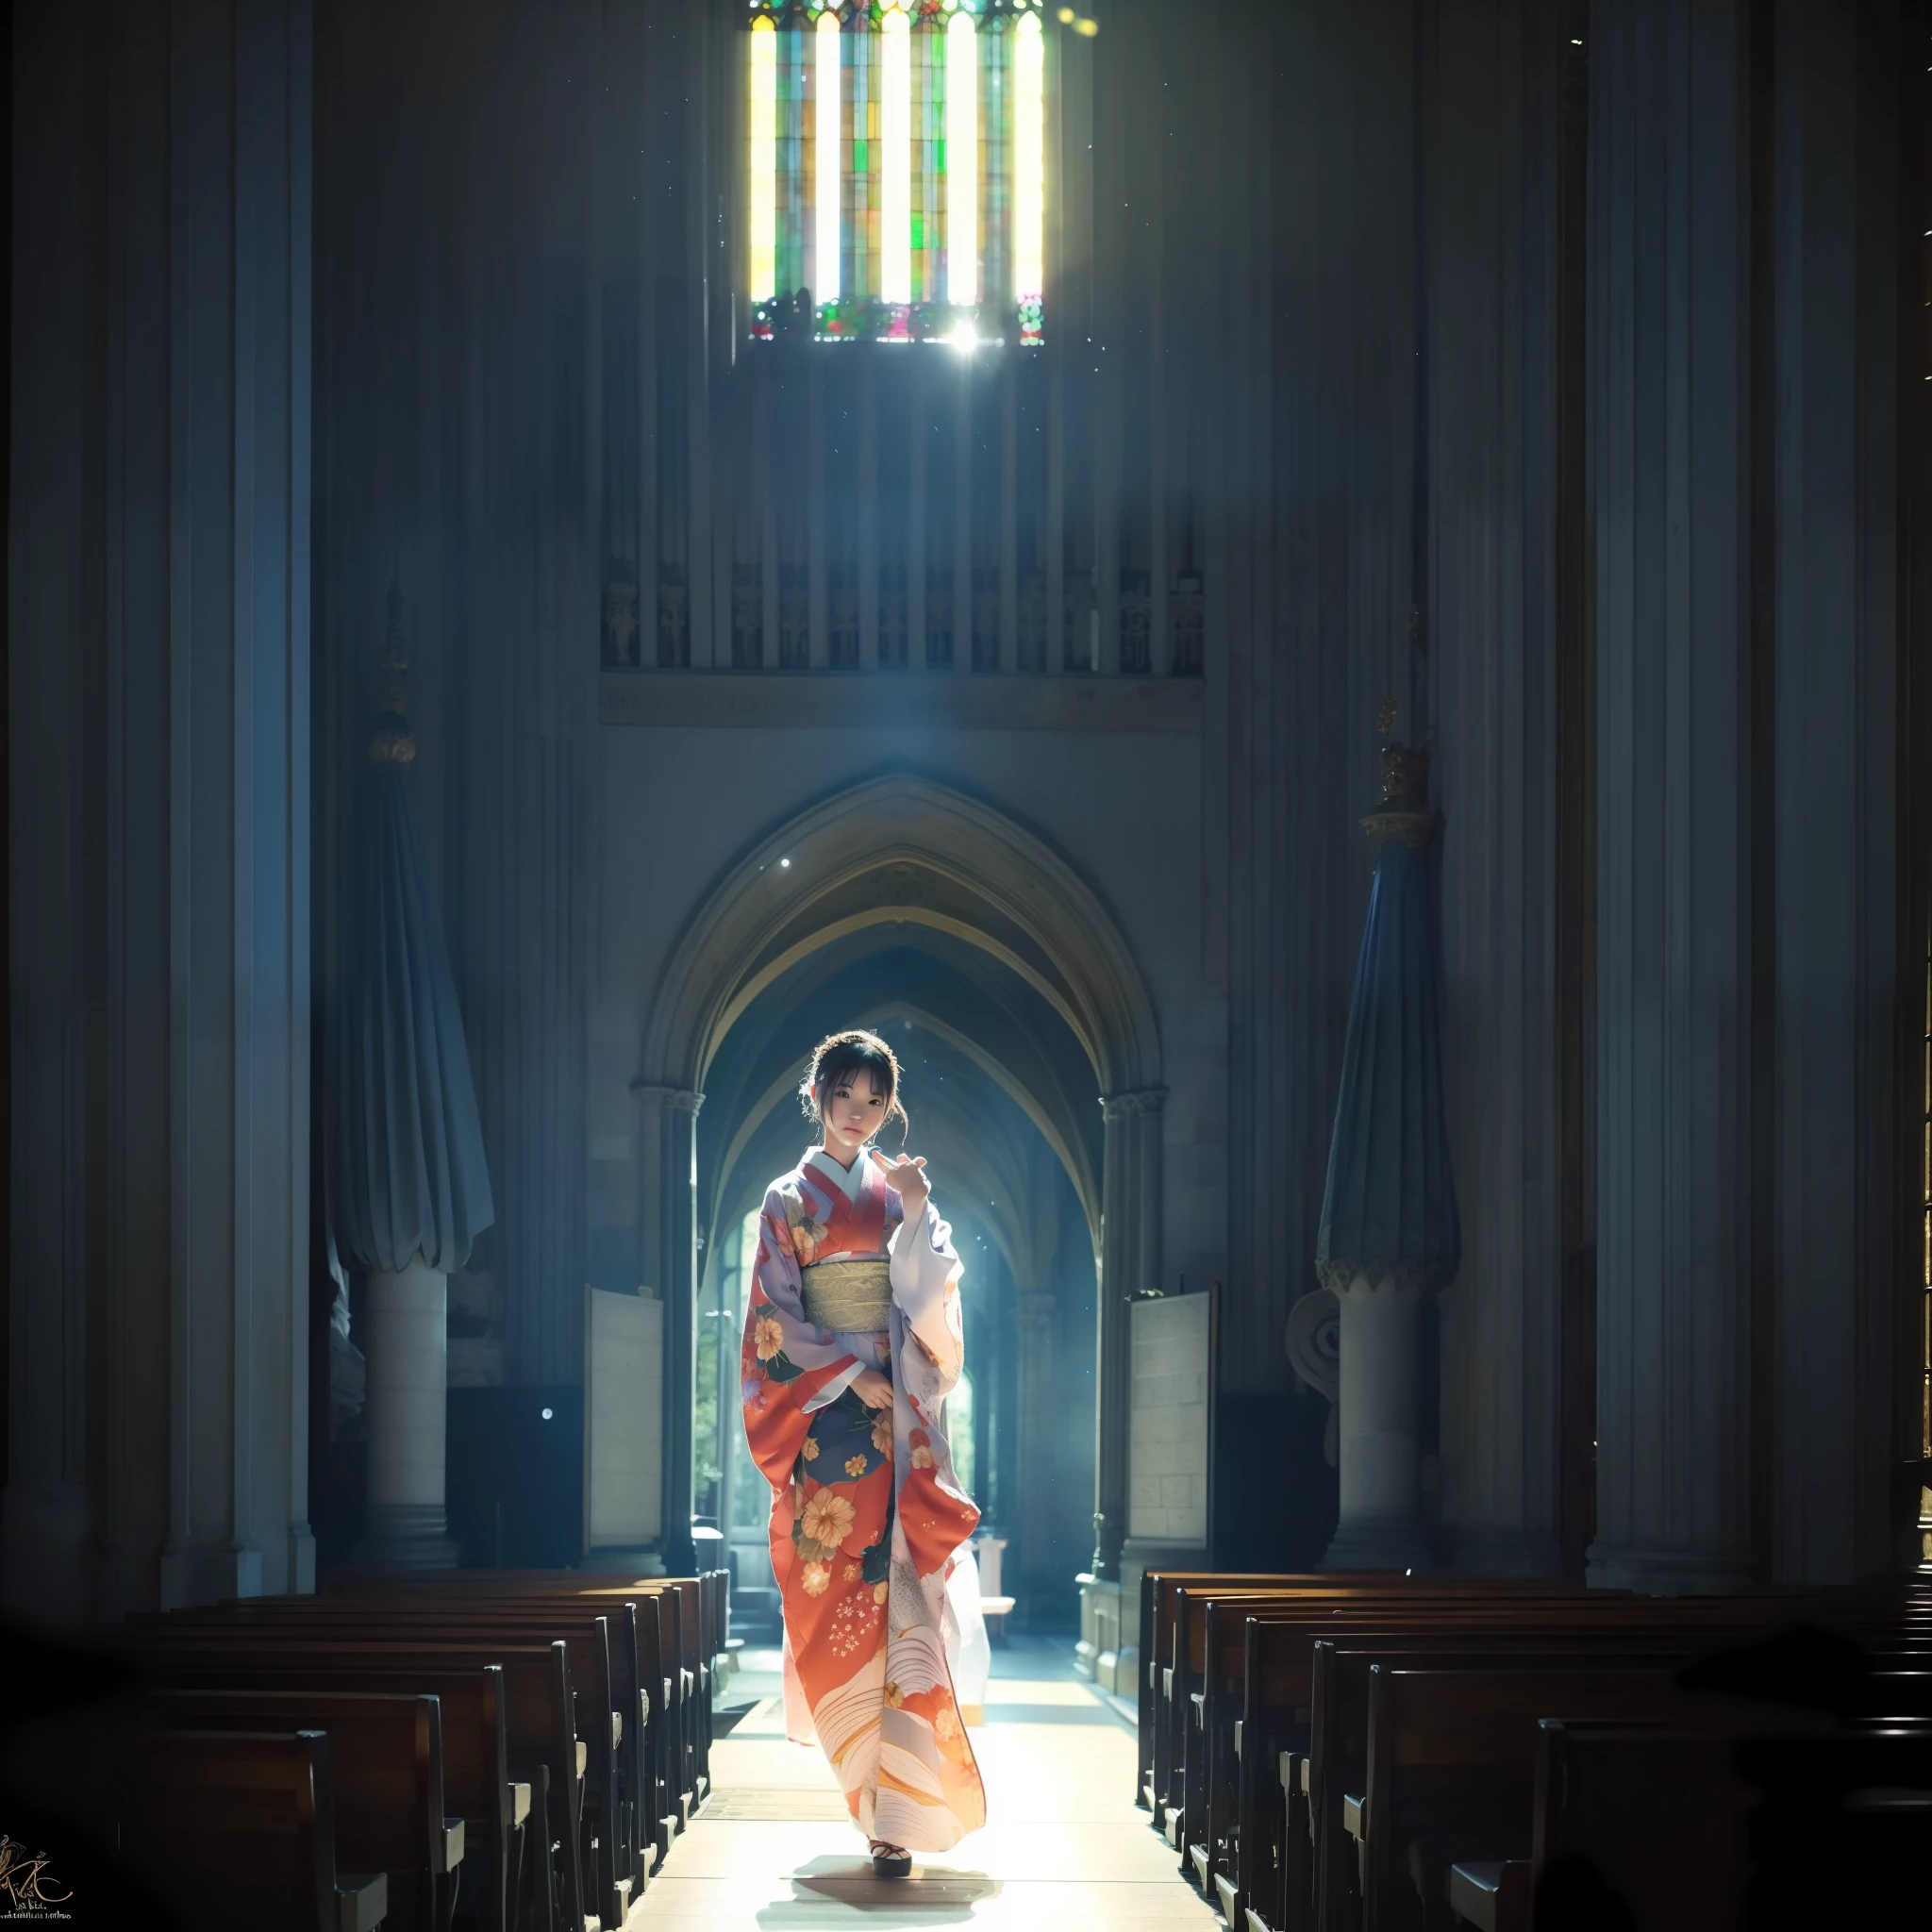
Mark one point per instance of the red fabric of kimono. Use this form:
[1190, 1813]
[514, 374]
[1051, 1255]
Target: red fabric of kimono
[867, 1514]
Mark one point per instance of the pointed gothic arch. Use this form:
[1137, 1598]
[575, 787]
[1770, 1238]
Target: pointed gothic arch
[906, 850]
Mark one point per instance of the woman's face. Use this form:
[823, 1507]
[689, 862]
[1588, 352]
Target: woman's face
[853, 1111]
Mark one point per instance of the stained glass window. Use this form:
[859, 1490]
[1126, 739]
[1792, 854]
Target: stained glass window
[897, 170]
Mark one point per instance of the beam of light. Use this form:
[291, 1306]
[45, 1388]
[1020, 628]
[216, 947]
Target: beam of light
[962, 162]
[830, 176]
[764, 160]
[1030, 159]
[895, 158]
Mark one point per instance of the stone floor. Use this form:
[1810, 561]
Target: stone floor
[1064, 1848]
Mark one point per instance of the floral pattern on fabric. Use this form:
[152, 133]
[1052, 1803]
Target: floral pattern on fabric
[867, 1513]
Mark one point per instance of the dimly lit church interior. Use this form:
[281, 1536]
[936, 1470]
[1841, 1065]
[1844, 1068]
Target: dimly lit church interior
[1247, 686]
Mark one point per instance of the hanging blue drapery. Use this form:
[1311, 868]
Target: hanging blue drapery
[405, 1175]
[1388, 1211]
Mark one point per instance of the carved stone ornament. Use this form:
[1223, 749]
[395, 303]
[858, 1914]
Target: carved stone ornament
[673, 1099]
[1341, 1277]
[1406, 813]
[1314, 1353]
[1314, 1341]
[1405, 777]
[1119, 1107]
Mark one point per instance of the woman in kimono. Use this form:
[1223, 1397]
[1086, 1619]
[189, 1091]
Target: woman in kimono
[852, 1343]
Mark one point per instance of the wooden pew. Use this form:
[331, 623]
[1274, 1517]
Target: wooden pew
[1178, 1603]
[1259, 1664]
[644, 1675]
[601, 1804]
[1339, 1727]
[1181, 1679]
[1272, 1851]
[1157, 1592]
[687, 1609]
[237, 1830]
[533, 1697]
[476, 1783]
[678, 1778]
[1167, 1597]
[690, 1625]
[385, 1756]
[1682, 1628]
[1654, 1813]
[1451, 1765]
[1700, 1828]
[605, 1743]
[1207, 1672]
[667, 1639]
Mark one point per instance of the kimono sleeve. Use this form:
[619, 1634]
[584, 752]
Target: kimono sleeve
[925, 1286]
[787, 1367]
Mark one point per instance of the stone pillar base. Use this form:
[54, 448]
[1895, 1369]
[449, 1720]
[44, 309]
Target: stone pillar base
[1097, 1654]
[400, 1540]
[202, 1574]
[1661, 1569]
[1378, 1372]
[1398, 1544]
[409, 1348]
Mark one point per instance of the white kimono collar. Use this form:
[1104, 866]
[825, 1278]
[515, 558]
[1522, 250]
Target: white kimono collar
[850, 1181]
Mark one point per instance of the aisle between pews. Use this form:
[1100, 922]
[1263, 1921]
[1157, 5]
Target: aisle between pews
[1063, 1846]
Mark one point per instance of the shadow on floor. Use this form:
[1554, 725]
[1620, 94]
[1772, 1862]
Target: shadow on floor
[936, 1897]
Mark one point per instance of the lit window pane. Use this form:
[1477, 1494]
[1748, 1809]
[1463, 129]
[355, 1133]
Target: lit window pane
[826, 155]
[763, 225]
[895, 158]
[895, 168]
[962, 162]
[1029, 161]
[794, 163]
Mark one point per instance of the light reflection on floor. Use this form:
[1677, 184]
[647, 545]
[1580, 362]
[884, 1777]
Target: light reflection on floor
[1064, 1844]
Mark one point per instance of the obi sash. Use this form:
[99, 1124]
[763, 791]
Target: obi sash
[852, 1295]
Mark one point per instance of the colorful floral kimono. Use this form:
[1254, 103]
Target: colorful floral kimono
[866, 1511]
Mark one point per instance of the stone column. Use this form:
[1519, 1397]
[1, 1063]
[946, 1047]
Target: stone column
[1035, 1395]
[1390, 1235]
[1380, 1523]
[1492, 663]
[668, 1124]
[408, 1411]
[1131, 1263]
[159, 789]
[1835, 1244]
[1667, 312]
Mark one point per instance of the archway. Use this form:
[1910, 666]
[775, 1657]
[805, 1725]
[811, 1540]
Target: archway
[1027, 1295]
[901, 848]
[1032, 951]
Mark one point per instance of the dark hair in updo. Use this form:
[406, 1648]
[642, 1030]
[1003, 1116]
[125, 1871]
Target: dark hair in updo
[839, 1056]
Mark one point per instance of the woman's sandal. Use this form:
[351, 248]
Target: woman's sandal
[890, 1861]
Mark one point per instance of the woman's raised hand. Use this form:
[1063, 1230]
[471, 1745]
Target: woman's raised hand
[906, 1176]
